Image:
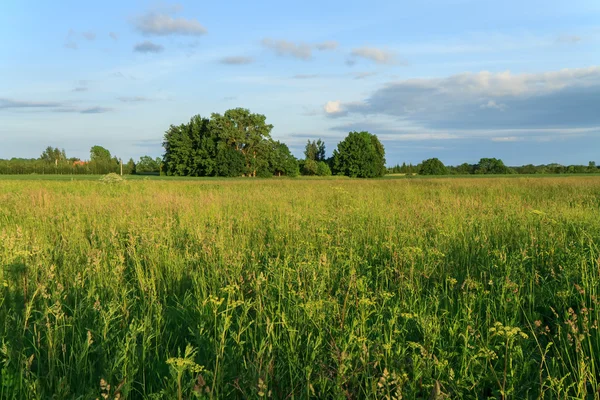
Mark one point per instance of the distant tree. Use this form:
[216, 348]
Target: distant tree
[147, 165]
[101, 161]
[282, 162]
[433, 166]
[315, 150]
[53, 155]
[246, 133]
[130, 167]
[309, 167]
[528, 169]
[229, 162]
[190, 149]
[323, 169]
[315, 168]
[360, 154]
[99, 154]
[491, 166]
[592, 167]
[464, 169]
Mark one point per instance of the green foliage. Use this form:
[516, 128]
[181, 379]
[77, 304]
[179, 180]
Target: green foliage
[206, 147]
[100, 154]
[112, 179]
[129, 168]
[491, 166]
[229, 162]
[53, 155]
[244, 132]
[281, 161]
[323, 169]
[360, 155]
[318, 168]
[432, 166]
[148, 165]
[190, 149]
[315, 150]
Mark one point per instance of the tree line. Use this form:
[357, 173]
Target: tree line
[239, 143]
[235, 144]
[487, 166]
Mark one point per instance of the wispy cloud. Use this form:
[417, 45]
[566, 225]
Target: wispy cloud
[9, 103]
[89, 35]
[568, 39]
[363, 75]
[80, 89]
[305, 76]
[327, 45]
[48, 106]
[379, 56]
[163, 24]
[113, 36]
[506, 139]
[70, 42]
[148, 47]
[236, 60]
[132, 99]
[95, 110]
[284, 48]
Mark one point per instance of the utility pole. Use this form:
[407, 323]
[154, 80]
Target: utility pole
[120, 159]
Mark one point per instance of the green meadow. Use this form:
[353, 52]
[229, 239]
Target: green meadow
[300, 288]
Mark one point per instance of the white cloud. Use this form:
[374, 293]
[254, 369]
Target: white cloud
[506, 139]
[568, 39]
[148, 47]
[379, 56]
[236, 60]
[285, 48]
[491, 104]
[333, 107]
[327, 45]
[162, 25]
[89, 35]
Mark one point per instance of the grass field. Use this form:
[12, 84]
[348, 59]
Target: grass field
[378, 289]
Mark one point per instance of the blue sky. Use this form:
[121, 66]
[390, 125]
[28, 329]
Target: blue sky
[453, 79]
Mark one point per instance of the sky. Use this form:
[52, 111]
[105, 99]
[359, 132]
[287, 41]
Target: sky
[454, 79]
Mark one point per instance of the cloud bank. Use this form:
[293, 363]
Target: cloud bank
[564, 100]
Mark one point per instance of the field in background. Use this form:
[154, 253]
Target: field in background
[381, 289]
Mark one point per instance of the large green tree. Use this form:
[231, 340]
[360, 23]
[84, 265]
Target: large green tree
[361, 155]
[246, 133]
[433, 166]
[491, 166]
[190, 149]
[281, 160]
[99, 154]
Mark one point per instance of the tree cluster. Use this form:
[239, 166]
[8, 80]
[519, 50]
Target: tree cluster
[237, 143]
[359, 155]
[490, 166]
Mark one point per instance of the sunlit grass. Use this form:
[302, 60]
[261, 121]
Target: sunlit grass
[406, 288]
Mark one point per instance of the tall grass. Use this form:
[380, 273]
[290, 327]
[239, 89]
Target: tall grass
[472, 289]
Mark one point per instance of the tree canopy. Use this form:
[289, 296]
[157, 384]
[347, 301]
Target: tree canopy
[432, 166]
[237, 143]
[361, 155]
